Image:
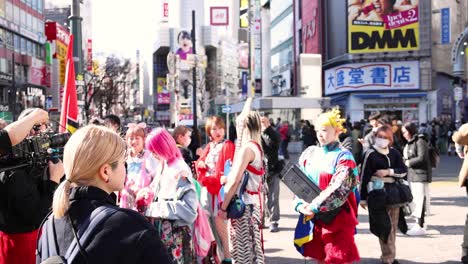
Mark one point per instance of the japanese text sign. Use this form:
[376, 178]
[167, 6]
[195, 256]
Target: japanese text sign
[383, 76]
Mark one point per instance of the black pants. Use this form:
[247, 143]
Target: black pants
[284, 149]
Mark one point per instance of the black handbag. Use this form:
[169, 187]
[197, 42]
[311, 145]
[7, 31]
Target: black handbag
[398, 192]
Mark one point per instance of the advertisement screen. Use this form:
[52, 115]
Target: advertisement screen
[382, 26]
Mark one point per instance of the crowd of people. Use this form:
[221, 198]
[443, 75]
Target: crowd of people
[161, 197]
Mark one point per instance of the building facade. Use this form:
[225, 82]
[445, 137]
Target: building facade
[381, 60]
[22, 56]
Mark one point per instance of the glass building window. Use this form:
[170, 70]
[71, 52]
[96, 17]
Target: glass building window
[282, 31]
[9, 11]
[29, 47]
[34, 4]
[2, 38]
[23, 18]
[2, 8]
[16, 15]
[9, 39]
[40, 26]
[29, 21]
[28, 2]
[23, 45]
[16, 42]
[3, 65]
[39, 6]
[278, 7]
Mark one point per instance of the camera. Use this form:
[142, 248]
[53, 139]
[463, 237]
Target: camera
[36, 151]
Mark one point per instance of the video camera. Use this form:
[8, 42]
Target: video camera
[36, 151]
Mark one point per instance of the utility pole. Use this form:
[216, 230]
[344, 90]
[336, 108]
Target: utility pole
[75, 21]
[194, 74]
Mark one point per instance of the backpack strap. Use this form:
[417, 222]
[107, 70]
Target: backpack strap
[254, 170]
[87, 230]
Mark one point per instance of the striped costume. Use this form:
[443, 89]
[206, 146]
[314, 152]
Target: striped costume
[245, 240]
[333, 169]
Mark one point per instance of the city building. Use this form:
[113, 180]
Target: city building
[22, 56]
[449, 21]
[381, 59]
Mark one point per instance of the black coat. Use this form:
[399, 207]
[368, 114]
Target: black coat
[5, 143]
[374, 161]
[126, 236]
[419, 169]
[270, 143]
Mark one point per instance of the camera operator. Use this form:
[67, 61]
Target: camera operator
[25, 195]
[17, 131]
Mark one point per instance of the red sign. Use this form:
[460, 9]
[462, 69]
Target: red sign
[219, 16]
[55, 31]
[311, 27]
[166, 9]
[164, 98]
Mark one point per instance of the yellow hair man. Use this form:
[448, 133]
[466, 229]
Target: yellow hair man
[332, 118]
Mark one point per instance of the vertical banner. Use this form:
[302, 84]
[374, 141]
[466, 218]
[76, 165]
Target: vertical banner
[445, 26]
[382, 26]
[244, 13]
[245, 83]
[89, 55]
[69, 112]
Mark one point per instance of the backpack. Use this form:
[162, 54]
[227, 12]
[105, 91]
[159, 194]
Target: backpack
[49, 251]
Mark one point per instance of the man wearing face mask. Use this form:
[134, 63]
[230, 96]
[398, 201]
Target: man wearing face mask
[369, 139]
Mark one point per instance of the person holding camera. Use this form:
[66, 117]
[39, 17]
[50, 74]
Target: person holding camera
[14, 133]
[25, 195]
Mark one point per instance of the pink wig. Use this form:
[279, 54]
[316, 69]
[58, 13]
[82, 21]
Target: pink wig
[163, 144]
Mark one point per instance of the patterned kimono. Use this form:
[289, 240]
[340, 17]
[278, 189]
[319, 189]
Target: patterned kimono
[333, 169]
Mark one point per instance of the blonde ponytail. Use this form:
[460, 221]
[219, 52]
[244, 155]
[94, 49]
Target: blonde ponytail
[61, 201]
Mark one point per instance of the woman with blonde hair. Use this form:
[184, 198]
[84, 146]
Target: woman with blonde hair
[92, 174]
[174, 207]
[245, 236]
[333, 169]
[141, 167]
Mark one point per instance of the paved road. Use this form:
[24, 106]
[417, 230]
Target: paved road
[445, 226]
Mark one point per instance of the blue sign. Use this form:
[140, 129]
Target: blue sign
[226, 109]
[445, 26]
[245, 83]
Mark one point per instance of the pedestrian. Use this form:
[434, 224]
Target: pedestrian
[113, 122]
[92, 174]
[183, 137]
[369, 138]
[141, 167]
[356, 146]
[210, 168]
[416, 155]
[308, 134]
[270, 144]
[336, 174]
[173, 209]
[285, 138]
[383, 165]
[245, 235]
[460, 138]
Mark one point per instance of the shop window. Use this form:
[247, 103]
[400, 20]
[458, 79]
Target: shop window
[3, 65]
[2, 38]
[29, 21]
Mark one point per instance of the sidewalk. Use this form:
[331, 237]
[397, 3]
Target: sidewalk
[445, 225]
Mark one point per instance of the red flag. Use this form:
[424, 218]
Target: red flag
[69, 113]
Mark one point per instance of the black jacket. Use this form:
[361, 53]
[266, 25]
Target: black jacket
[270, 143]
[126, 236]
[419, 169]
[5, 143]
[25, 199]
[374, 161]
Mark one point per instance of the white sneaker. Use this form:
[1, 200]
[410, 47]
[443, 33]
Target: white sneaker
[416, 230]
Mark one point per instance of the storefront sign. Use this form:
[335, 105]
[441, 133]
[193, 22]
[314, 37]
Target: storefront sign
[6, 77]
[383, 26]
[4, 108]
[310, 23]
[445, 26]
[383, 76]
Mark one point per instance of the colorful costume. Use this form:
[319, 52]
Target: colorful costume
[140, 173]
[334, 170]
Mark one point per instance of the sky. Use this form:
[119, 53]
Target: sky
[120, 26]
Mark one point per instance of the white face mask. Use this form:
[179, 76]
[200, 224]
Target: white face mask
[382, 143]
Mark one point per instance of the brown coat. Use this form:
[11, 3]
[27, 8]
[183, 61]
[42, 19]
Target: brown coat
[461, 138]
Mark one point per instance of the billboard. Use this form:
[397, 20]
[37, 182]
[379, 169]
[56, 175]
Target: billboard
[163, 96]
[244, 13]
[311, 27]
[382, 26]
[373, 76]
